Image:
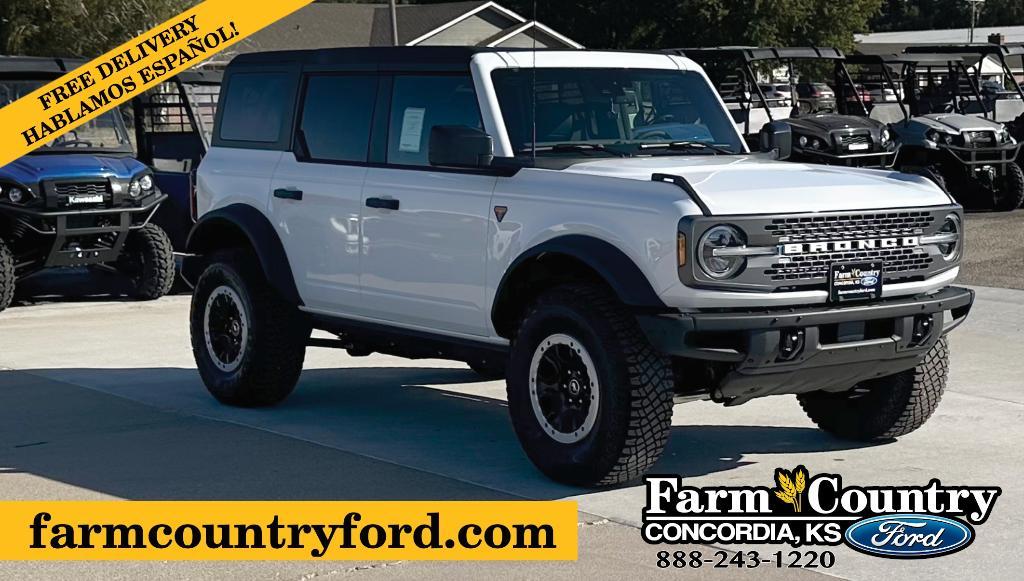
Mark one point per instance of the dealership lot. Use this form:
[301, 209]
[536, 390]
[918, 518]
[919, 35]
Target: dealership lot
[100, 399]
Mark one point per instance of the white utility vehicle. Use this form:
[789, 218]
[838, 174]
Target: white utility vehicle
[588, 225]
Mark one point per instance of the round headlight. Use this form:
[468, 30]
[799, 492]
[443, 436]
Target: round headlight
[886, 136]
[146, 182]
[16, 195]
[932, 135]
[134, 189]
[714, 264]
[947, 139]
[802, 141]
[951, 250]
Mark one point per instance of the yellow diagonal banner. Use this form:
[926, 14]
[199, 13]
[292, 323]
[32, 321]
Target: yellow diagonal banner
[131, 69]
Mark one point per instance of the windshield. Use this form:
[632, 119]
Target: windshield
[620, 109]
[104, 132]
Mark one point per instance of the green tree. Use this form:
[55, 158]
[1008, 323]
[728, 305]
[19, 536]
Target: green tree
[84, 28]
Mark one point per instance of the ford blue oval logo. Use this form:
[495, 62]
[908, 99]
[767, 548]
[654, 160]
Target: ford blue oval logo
[908, 535]
[869, 281]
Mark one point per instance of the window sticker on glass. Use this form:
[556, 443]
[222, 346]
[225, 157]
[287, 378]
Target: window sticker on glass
[412, 129]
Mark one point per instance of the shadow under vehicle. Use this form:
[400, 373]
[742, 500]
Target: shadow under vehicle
[971, 157]
[824, 138]
[80, 199]
[173, 126]
[1001, 101]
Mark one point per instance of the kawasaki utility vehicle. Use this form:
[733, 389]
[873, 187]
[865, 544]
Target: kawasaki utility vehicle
[79, 200]
[589, 226]
[972, 157]
[826, 138]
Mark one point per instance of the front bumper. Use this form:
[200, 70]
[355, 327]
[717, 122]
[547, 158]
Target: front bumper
[82, 237]
[871, 159]
[840, 345]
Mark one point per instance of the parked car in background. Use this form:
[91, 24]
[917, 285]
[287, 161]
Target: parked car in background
[856, 93]
[588, 225]
[816, 98]
[880, 93]
[81, 199]
[778, 94]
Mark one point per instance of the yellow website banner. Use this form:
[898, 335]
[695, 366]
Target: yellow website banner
[132, 68]
[288, 530]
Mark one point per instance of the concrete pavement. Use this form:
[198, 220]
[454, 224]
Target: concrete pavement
[104, 401]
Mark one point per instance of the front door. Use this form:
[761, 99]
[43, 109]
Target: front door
[424, 229]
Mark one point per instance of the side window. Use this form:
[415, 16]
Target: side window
[419, 103]
[254, 107]
[336, 116]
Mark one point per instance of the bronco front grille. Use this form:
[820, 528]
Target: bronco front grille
[785, 271]
[849, 226]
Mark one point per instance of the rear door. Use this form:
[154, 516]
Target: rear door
[424, 228]
[316, 191]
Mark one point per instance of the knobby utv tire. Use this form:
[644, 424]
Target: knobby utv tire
[6, 276]
[148, 261]
[1009, 194]
[886, 407]
[931, 173]
[276, 336]
[635, 385]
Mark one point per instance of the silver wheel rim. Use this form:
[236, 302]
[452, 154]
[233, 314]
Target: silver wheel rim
[225, 302]
[562, 373]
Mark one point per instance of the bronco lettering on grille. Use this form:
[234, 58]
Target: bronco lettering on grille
[849, 245]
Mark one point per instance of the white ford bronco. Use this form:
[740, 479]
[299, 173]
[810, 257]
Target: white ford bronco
[588, 225]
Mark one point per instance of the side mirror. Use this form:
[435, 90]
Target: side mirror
[460, 146]
[777, 136]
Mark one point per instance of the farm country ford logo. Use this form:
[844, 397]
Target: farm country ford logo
[801, 509]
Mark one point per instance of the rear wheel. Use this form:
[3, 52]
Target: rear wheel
[6, 276]
[248, 343]
[148, 262]
[1009, 189]
[590, 398]
[886, 407]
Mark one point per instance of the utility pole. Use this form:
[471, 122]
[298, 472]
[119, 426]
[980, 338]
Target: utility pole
[974, 15]
[394, 22]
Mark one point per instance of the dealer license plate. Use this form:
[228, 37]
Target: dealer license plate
[854, 281]
[86, 199]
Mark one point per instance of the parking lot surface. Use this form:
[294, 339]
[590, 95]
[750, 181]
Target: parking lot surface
[100, 399]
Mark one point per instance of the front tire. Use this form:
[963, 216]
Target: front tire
[248, 343]
[1009, 192]
[148, 262]
[7, 279]
[590, 398]
[886, 407]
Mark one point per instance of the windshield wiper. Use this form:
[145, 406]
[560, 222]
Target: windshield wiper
[574, 147]
[686, 145]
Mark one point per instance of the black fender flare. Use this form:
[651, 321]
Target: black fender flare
[613, 265]
[261, 236]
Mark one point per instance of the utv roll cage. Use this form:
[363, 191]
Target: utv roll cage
[748, 56]
[1003, 53]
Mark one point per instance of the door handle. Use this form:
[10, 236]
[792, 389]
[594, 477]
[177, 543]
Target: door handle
[382, 203]
[288, 194]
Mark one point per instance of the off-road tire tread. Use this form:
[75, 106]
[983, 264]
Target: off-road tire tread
[272, 369]
[908, 401]
[649, 373]
[159, 272]
[1012, 191]
[7, 278]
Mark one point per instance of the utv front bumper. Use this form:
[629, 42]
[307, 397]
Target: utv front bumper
[871, 159]
[88, 236]
[796, 350]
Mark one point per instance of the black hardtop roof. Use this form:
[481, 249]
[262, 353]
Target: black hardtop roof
[38, 64]
[1012, 49]
[755, 53]
[424, 56]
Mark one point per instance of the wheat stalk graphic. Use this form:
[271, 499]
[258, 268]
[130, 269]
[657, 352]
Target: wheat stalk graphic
[790, 486]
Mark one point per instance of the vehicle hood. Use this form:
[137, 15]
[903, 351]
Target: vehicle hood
[955, 122]
[822, 124]
[32, 169]
[753, 184]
